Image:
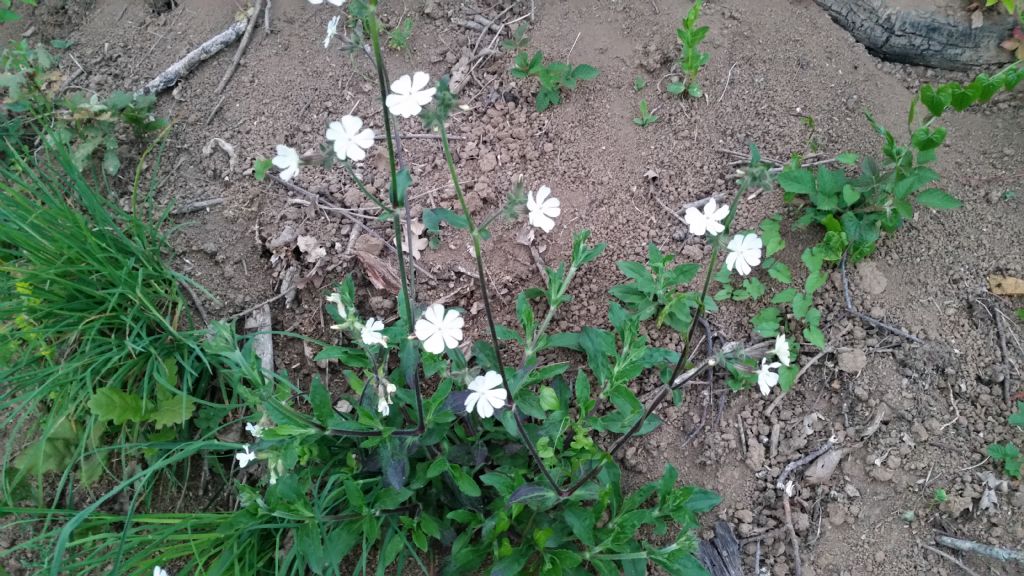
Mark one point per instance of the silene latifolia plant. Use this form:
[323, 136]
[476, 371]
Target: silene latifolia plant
[437, 454]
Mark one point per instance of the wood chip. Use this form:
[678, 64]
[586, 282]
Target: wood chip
[380, 273]
[1005, 285]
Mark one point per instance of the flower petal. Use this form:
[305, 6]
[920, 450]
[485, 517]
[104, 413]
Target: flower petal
[420, 81]
[354, 152]
[364, 139]
[351, 124]
[335, 131]
[471, 401]
[402, 86]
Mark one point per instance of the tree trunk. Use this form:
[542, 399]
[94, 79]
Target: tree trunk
[923, 38]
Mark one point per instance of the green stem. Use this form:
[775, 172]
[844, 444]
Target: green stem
[474, 234]
[362, 188]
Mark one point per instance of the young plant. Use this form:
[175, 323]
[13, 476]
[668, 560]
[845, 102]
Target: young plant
[398, 38]
[553, 77]
[691, 59]
[855, 207]
[646, 118]
[1008, 454]
[639, 83]
[940, 496]
[8, 15]
[519, 41]
[87, 124]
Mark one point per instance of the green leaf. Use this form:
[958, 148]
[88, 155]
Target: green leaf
[260, 167]
[172, 411]
[781, 273]
[766, 322]
[402, 182]
[796, 182]
[320, 401]
[433, 217]
[113, 404]
[676, 88]
[639, 274]
[1017, 418]
[851, 195]
[549, 399]
[937, 199]
[785, 297]
[585, 72]
[464, 481]
[847, 158]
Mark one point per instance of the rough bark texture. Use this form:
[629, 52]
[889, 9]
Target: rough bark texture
[721, 555]
[182, 67]
[923, 38]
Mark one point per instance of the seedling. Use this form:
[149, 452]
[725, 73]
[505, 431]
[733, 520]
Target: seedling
[398, 38]
[519, 41]
[646, 118]
[639, 83]
[940, 496]
[552, 76]
[691, 59]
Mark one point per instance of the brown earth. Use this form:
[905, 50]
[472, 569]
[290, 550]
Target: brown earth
[773, 62]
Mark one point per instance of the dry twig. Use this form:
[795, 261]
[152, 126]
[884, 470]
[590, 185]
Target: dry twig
[181, 68]
[197, 206]
[948, 557]
[1002, 554]
[798, 569]
[253, 16]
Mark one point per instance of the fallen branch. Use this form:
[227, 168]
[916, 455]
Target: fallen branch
[948, 557]
[1003, 554]
[197, 206]
[792, 466]
[182, 67]
[241, 48]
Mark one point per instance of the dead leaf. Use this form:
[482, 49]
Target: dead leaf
[380, 273]
[977, 19]
[525, 235]
[1005, 285]
[289, 281]
[419, 243]
[285, 238]
[311, 247]
[227, 148]
[822, 468]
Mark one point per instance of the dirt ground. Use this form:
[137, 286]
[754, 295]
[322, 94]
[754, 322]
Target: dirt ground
[772, 63]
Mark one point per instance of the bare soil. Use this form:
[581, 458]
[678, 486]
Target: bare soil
[773, 62]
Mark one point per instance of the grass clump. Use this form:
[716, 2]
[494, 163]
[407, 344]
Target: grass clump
[96, 337]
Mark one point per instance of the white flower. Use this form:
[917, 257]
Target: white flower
[438, 329]
[487, 394]
[782, 349]
[709, 221]
[245, 457]
[349, 142]
[371, 335]
[332, 29]
[384, 392]
[255, 430]
[335, 2]
[287, 160]
[158, 571]
[766, 379]
[409, 95]
[790, 488]
[419, 242]
[335, 299]
[744, 253]
[543, 210]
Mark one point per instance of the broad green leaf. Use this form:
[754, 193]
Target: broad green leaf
[938, 199]
[780, 272]
[172, 411]
[117, 406]
[464, 481]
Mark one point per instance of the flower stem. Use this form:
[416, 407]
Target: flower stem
[474, 233]
[362, 188]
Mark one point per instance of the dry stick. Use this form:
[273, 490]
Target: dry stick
[798, 569]
[1003, 554]
[181, 68]
[1006, 358]
[266, 17]
[241, 49]
[215, 110]
[195, 300]
[197, 206]
[351, 216]
[254, 307]
[876, 323]
[948, 557]
[727, 79]
[792, 466]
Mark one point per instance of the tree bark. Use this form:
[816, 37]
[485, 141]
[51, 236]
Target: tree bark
[923, 38]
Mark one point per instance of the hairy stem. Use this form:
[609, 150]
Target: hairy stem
[474, 234]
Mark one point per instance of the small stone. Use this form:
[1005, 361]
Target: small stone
[836, 514]
[881, 474]
[370, 244]
[852, 491]
[919, 432]
[744, 516]
[853, 361]
[488, 162]
[870, 278]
